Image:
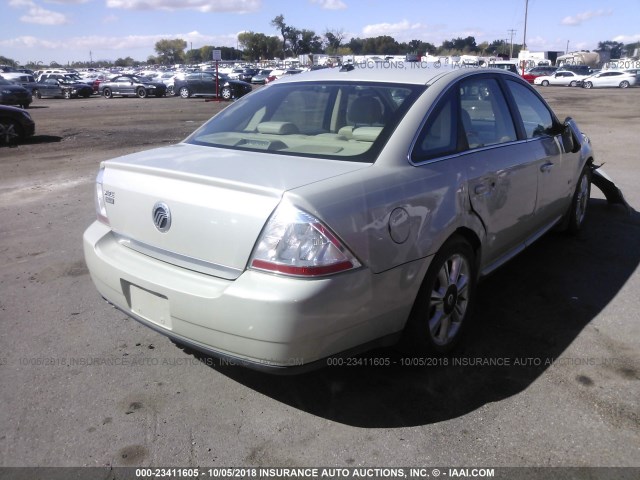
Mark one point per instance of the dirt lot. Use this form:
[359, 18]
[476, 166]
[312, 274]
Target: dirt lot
[80, 384]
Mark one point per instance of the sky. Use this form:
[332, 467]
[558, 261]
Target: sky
[82, 30]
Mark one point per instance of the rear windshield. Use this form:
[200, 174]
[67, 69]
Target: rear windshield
[335, 120]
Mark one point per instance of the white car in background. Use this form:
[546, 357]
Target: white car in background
[611, 78]
[564, 78]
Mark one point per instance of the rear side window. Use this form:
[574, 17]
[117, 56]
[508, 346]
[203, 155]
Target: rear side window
[440, 136]
[537, 119]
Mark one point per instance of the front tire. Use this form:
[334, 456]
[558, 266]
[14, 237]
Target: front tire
[37, 94]
[445, 300]
[107, 93]
[9, 132]
[141, 92]
[588, 85]
[66, 94]
[226, 93]
[580, 202]
[545, 83]
[184, 92]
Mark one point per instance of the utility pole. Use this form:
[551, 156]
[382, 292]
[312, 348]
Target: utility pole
[526, 14]
[524, 39]
[512, 33]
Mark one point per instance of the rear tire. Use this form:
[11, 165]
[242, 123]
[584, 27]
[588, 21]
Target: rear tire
[624, 84]
[445, 300]
[573, 83]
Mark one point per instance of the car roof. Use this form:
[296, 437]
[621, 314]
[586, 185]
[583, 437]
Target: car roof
[420, 73]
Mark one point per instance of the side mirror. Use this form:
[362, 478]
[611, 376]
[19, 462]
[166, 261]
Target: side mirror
[570, 142]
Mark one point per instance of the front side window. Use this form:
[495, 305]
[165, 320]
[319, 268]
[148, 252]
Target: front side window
[537, 119]
[334, 120]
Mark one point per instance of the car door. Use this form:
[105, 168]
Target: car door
[126, 86]
[555, 167]
[611, 79]
[561, 78]
[194, 83]
[501, 171]
[208, 84]
[53, 87]
[472, 131]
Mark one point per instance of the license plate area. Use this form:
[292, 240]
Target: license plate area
[150, 306]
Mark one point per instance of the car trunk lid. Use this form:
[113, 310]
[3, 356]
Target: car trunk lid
[203, 208]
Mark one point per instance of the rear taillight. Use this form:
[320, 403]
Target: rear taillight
[296, 243]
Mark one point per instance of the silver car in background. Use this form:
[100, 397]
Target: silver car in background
[336, 211]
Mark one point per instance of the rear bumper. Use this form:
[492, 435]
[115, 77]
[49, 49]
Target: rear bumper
[259, 320]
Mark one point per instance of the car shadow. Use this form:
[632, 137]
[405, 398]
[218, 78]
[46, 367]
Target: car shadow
[34, 140]
[37, 139]
[527, 314]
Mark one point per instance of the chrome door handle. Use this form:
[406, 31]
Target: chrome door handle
[546, 167]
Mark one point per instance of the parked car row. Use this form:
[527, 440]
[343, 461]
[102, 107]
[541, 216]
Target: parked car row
[607, 78]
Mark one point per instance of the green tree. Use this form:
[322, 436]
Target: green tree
[356, 45]
[278, 23]
[125, 62]
[170, 51]
[8, 61]
[333, 41]
[193, 56]
[258, 46]
[615, 49]
[304, 41]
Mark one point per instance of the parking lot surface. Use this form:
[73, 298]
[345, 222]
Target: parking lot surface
[549, 375]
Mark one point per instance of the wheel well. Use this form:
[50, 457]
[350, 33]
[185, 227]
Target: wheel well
[471, 237]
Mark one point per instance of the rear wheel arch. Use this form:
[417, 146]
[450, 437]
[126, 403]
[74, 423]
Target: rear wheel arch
[472, 238]
[445, 299]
